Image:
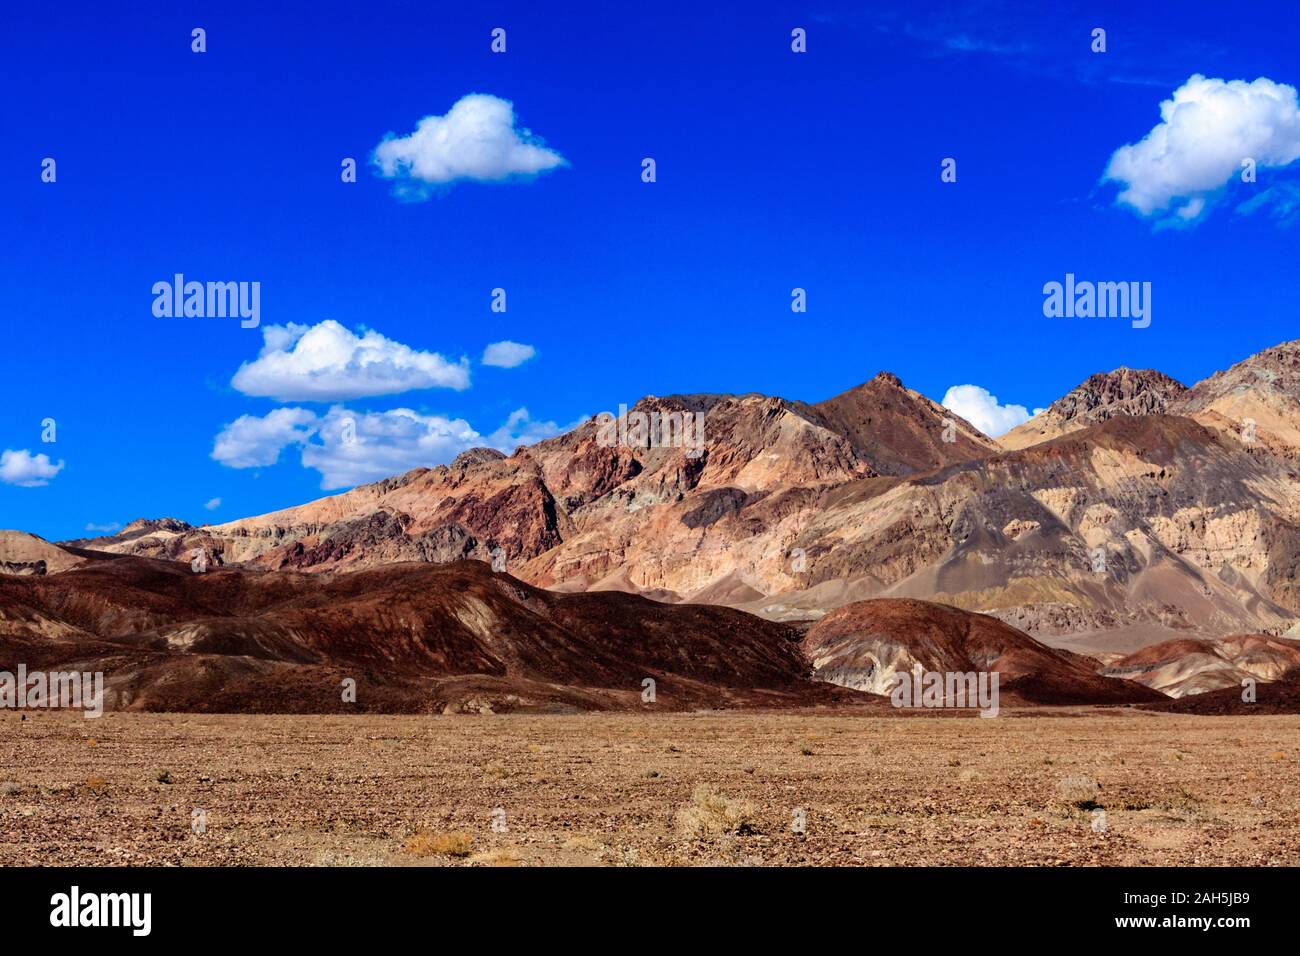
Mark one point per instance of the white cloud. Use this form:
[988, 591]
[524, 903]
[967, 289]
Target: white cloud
[383, 444]
[350, 448]
[1206, 130]
[252, 442]
[213, 504]
[507, 354]
[26, 470]
[328, 363]
[981, 409]
[106, 528]
[477, 139]
[520, 429]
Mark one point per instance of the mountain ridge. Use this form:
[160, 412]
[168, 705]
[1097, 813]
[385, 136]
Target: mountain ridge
[1143, 512]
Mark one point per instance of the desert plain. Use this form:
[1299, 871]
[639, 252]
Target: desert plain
[1047, 786]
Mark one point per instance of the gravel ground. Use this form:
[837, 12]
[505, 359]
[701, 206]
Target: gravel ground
[1071, 787]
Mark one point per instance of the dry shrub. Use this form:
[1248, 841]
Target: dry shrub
[710, 814]
[1078, 792]
[582, 843]
[425, 843]
[96, 782]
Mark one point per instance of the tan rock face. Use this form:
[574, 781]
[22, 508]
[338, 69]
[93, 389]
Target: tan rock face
[1127, 515]
[1257, 400]
[26, 554]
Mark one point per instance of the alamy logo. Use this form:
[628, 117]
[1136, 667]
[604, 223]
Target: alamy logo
[103, 909]
[652, 430]
[1099, 300]
[951, 689]
[208, 300]
[55, 690]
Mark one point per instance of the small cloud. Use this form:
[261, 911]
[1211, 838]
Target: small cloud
[213, 504]
[964, 43]
[981, 408]
[1280, 202]
[26, 470]
[328, 363]
[520, 429]
[477, 140]
[107, 528]
[1207, 129]
[507, 354]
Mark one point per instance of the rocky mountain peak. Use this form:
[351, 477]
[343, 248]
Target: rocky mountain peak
[157, 524]
[475, 456]
[1274, 372]
[1125, 391]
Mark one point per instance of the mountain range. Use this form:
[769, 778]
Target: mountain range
[1133, 515]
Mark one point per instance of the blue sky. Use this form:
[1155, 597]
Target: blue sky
[775, 170]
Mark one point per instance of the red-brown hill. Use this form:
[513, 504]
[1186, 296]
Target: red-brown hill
[865, 644]
[418, 636]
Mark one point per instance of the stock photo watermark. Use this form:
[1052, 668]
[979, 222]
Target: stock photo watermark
[637, 429]
[55, 690]
[943, 689]
[1073, 299]
[208, 300]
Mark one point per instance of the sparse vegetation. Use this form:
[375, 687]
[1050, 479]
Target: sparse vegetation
[427, 843]
[1078, 792]
[711, 815]
[905, 806]
[580, 842]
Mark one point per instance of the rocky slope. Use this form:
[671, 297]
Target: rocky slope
[142, 536]
[1188, 666]
[415, 637]
[866, 645]
[22, 553]
[1256, 400]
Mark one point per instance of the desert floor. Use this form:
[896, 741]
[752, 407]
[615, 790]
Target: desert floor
[633, 789]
